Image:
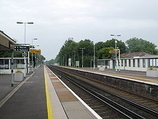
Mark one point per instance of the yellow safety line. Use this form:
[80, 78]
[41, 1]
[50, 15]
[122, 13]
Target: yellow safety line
[133, 77]
[127, 76]
[49, 107]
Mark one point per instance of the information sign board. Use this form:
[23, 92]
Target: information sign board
[115, 51]
[21, 48]
[35, 51]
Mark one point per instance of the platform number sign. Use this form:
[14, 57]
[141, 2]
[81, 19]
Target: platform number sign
[21, 48]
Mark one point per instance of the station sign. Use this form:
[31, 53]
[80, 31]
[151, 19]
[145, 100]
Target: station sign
[35, 51]
[115, 51]
[21, 48]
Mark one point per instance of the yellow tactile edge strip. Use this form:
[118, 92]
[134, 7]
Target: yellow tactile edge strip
[48, 103]
[57, 109]
[89, 108]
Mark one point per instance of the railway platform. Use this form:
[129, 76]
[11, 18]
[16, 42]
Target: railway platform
[41, 95]
[134, 75]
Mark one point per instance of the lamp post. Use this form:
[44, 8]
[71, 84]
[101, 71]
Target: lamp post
[119, 59]
[74, 59]
[32, 53]
[116, 49]
[94, 58]
[25, 41]
[36, 58]
[82, 55]
[25, 29]
[116, 55]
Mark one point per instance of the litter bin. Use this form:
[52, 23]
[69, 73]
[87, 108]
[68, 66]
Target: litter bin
[18, 76]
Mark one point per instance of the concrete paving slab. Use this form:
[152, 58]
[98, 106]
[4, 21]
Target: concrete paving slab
[28, 102]
[75, 110]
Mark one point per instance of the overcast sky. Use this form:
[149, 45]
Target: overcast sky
[57, 20]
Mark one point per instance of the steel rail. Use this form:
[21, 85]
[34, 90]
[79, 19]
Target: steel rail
[122, 110]
[139, 106]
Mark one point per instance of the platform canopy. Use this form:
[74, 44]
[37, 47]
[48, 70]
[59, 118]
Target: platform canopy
[6, 43]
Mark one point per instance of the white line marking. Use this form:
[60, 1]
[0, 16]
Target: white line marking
[4, 100]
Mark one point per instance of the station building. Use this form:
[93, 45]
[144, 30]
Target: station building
[18, 64]
[23, 64]
[7, 45]
[136, 61]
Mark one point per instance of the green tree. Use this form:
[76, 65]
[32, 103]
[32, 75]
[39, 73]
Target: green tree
[100, 45]
[73, 50]
[121, 45]
[88, 52]
[104, 53]
[140, 45]
[88, 45]
[50, 62]
[67, 51]
[102, 48]
[9, 54]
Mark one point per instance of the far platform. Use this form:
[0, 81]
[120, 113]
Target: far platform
[137, 75]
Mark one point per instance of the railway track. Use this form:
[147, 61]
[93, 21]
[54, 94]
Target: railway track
[106, 103]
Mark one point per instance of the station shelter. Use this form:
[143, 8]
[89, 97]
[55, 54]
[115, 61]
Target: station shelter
[6, 44]
[135, 63]
[18, 65]
[24, 64]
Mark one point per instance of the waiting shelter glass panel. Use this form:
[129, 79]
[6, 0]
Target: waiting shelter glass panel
[4, 63]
